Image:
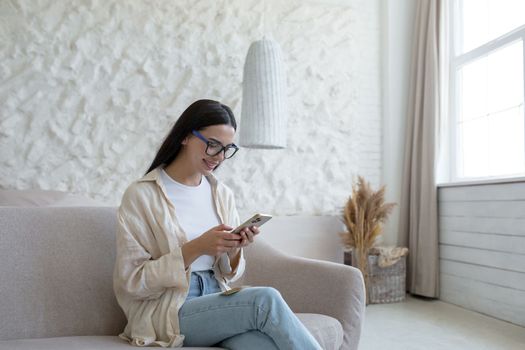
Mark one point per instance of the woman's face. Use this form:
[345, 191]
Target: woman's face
[196, 148]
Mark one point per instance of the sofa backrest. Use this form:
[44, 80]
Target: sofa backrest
[56, 272]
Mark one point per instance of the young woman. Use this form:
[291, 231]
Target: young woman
[176, 256]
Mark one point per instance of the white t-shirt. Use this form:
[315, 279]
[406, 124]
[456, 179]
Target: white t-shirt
[195, 212]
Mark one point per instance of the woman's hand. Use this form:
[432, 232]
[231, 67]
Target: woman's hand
[214, 242]
[247, 235]
[218, 240]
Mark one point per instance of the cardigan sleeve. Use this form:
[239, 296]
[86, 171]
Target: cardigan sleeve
[137, 274]
[224, 261]
[226, 270]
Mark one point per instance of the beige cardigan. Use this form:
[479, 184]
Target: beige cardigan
[150, 280]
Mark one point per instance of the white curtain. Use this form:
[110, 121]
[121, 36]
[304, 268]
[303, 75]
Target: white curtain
[418, 226]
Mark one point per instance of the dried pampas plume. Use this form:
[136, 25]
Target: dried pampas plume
[364, 215]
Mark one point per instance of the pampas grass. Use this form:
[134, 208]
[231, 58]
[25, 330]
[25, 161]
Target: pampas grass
[364, 215]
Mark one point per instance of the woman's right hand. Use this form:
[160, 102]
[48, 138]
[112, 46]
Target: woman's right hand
[214, 242]
[218, 240]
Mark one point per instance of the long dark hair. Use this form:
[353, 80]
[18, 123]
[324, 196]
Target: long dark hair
[197, 116]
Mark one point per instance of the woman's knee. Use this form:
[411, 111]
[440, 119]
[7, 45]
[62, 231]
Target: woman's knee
[266, 295]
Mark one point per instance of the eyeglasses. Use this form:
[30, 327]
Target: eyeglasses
[215, 147]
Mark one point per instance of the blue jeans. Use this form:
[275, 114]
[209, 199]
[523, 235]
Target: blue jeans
[254, 318]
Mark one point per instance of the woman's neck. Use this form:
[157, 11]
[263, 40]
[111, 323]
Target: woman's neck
[182, 174]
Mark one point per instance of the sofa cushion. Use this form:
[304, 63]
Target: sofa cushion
[57, 272]
[71, 343]
[325, 329]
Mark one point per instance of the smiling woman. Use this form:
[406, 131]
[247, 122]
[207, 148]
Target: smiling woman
[176, 254]
[198, 116]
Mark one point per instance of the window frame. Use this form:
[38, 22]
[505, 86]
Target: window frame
[455, 62]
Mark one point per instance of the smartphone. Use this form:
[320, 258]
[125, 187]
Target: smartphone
[256, 220]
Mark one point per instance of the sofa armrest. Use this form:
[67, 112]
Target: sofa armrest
[311, 286]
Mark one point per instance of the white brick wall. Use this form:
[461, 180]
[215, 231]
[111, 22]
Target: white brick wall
[88, 89]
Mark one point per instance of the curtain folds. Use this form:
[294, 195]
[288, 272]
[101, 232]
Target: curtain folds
[418, 224]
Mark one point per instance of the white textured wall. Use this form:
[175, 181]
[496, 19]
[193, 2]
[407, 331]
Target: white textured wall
[88, 90]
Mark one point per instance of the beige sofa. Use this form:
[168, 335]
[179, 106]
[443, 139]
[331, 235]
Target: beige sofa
[56, 283]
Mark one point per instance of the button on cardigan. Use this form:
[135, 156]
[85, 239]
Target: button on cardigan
[150, 280]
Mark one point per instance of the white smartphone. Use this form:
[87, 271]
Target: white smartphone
[256, 220]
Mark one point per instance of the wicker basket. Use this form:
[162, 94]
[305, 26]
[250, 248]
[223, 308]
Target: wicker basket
[386, 284]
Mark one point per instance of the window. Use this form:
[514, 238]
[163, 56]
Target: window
[487, 89]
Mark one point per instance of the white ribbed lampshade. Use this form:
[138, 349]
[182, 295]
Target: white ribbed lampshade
[264, 110]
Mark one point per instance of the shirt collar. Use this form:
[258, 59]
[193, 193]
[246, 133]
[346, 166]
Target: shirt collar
[154, 175]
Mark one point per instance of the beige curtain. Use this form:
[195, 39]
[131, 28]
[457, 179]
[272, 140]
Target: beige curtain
[418, 222]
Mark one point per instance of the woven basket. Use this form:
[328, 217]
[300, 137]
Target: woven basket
[386, 284]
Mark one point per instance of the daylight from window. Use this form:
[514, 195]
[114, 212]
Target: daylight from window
[488, 92]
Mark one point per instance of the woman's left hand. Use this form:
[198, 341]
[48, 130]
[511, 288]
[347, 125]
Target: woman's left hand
[248, 234]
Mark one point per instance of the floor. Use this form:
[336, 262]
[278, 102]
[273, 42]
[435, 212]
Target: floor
[431, 324]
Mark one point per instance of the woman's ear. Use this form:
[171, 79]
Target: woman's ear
[185, 141]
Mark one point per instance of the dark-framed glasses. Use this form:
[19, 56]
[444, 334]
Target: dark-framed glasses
[214, 147]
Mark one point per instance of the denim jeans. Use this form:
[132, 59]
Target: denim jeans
[253, 318]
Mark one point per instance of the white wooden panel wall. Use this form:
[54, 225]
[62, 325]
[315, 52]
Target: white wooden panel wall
[482, 248]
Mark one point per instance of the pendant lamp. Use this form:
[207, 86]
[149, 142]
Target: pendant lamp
[264, 112]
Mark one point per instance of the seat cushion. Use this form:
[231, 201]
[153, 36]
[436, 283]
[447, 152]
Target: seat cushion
[71, 343]
[326, 330]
